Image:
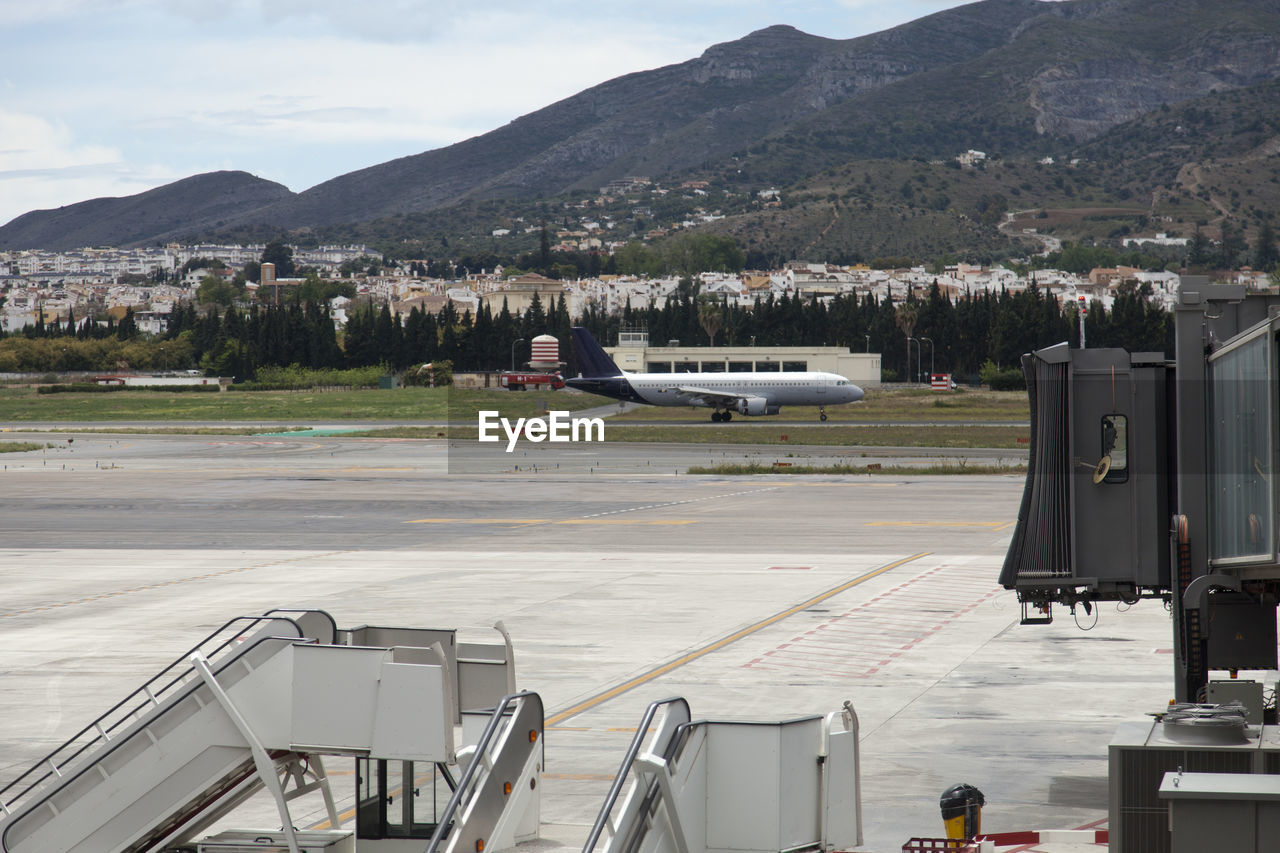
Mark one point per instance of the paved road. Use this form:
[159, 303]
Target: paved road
[327, 492]
[761, 597]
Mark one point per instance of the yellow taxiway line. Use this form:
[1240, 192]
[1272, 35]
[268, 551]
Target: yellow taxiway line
[550, 521]
[657, 672]
[993, 525]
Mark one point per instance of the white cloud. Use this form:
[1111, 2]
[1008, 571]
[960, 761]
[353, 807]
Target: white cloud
[385, 20]
[31, 142]
[288, 91]
[18, 12]
[42, 166]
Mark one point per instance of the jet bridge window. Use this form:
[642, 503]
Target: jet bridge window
[1242, 376]
[1115, 449]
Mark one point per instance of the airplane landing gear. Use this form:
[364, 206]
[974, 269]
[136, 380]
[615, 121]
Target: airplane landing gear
[721, 417]
[822, 413]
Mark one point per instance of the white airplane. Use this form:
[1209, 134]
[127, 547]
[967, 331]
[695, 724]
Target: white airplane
[724, 393]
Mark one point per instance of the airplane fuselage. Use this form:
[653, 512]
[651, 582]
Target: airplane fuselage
[808, 388]
[755, 393]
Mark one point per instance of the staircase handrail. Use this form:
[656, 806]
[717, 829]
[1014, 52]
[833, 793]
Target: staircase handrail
[467, 779]
[8, 821]
[628, 761]
[102, 733]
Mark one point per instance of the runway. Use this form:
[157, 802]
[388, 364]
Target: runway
[762, 597]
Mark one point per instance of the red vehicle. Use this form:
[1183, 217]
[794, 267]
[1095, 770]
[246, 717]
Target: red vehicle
[515, 381]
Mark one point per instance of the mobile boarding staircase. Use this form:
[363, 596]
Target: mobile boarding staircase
[745, 787]
[255, 706]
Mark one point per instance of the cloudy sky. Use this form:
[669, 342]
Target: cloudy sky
[113, 97]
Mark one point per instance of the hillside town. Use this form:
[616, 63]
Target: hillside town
[95, 283]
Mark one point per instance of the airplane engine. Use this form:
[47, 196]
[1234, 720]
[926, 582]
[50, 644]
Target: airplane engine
[756, 406]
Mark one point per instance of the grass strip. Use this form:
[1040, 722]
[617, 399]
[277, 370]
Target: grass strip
[960, 467]
[20, 446]
[898, 405]
[176, 430]
[827, 436]
[397, 404]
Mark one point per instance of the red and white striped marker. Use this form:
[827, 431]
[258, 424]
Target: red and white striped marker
[1045, 836]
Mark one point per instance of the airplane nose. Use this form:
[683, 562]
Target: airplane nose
[855, 394]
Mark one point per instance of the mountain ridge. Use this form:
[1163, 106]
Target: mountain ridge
[209, 200]
[1022, 78]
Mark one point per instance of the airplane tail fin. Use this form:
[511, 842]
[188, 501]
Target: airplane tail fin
[592, 360]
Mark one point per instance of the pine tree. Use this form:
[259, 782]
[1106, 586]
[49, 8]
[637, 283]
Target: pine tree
[544, 250]
[1231, 247]
[535, 317]
[128, 328]
[1198, 250]
[383, 340]
[1265, 255]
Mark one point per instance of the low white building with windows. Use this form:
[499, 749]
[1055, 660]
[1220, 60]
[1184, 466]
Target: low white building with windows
[634, 355]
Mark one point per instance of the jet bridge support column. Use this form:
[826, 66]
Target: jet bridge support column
[1190, 525]
[1226, 357]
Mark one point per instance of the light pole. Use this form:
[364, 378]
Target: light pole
[1081, 309]
[513, 353]
[918, 359]
[930, 358]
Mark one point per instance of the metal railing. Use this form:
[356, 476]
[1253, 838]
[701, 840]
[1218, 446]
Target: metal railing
[526, 710]
[225, 640]
[675, 706]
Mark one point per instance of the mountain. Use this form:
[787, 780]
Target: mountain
[1018, 78]
[203, 202]
[659, 122]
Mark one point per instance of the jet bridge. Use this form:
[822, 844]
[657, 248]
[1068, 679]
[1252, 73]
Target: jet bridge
[1151, 478]
[253, 707]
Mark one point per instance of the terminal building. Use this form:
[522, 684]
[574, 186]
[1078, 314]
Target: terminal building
[634, 355]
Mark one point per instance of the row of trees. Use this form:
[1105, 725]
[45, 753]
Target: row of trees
[926, 330]
[1231, 250]
[950, 336]
[956, 336]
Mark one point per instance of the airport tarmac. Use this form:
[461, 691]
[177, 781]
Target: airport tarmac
[758, 597]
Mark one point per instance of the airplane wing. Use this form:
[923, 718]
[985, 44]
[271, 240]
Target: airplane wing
[706, 397]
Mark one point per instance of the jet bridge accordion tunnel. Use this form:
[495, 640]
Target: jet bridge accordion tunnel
[1094, 515]
[1156, 478]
